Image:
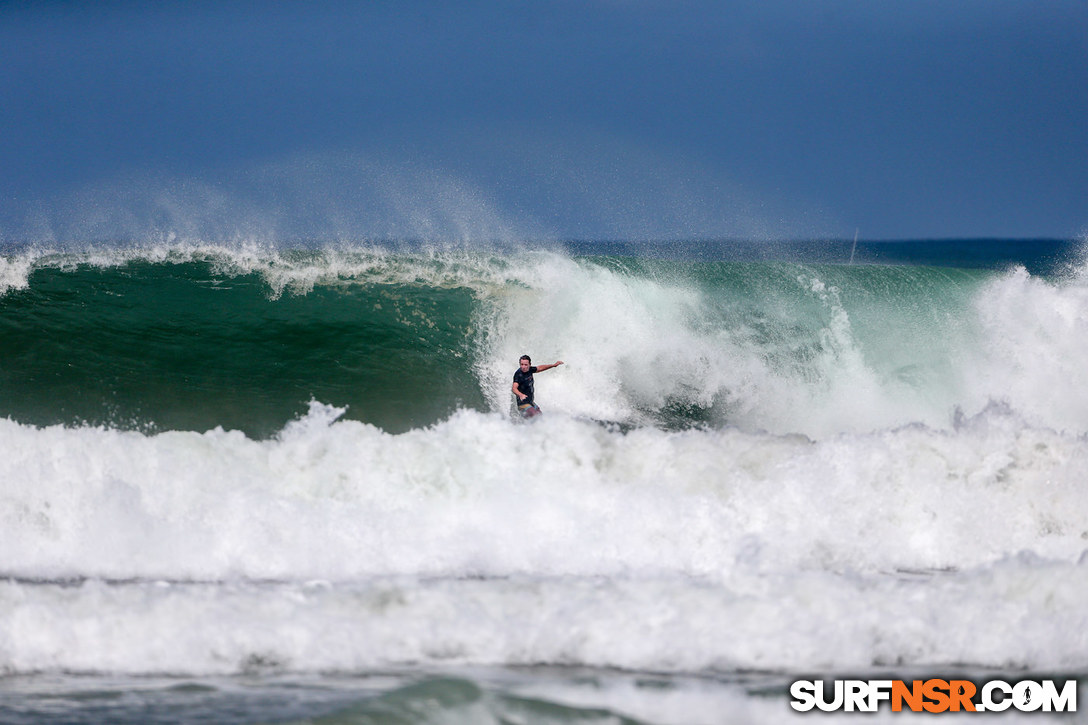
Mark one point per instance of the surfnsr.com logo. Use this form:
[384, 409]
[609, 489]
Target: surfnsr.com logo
[934, 696]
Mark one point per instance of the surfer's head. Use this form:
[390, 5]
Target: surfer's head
[525, 361]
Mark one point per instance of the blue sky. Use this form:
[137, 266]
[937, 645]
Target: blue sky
[609, 119]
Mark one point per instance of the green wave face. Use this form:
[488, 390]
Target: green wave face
[181, 346]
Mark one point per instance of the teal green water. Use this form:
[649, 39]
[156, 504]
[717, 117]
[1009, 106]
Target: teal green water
[178, 346]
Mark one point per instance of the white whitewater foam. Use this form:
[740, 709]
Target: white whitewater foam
[1035, 337]
[635, 345]
[478, 496]
[480, 542]
[1021, 612]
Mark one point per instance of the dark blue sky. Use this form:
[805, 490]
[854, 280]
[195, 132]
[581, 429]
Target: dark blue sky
[625, 118]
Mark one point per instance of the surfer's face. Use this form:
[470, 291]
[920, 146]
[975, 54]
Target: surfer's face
[525, 365]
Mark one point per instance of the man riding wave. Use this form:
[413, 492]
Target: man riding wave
[523, 384]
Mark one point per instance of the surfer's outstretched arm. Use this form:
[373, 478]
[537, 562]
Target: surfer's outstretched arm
[542, 368]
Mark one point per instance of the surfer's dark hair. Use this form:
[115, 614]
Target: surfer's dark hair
[525, 357]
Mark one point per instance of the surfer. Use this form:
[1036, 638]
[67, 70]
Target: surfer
[523, 384]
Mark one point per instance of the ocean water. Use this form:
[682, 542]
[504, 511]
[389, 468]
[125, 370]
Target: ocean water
[284, 483]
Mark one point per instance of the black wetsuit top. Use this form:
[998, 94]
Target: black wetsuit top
[525, 384]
